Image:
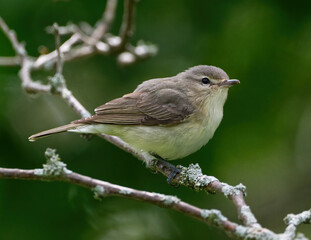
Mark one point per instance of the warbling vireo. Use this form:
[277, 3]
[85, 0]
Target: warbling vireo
[167, 117]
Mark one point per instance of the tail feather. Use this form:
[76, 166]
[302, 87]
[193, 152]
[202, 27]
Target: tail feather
[60, 129]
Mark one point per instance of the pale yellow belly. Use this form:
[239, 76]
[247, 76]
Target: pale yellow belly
[170, 143]
[167, 142]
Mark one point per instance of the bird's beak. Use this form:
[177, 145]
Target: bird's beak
[229, 83]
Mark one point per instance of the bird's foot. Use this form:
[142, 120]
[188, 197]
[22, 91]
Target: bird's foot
[175, 172]
[87, 136]
[173, 169]
[153, 171]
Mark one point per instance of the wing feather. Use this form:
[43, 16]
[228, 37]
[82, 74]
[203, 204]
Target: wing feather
[162, 107]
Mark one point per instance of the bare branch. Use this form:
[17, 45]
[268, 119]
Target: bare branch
[293, 221]
[25, 62]
[11, 35]
[103, 26]
[59, 65]
[65, 52]
[52, 56]
[90, 45]
[57, 83]
[192, 177]
[55, 170]
[27, 83]
[105, 189]
[127, 27]
[304, 217]
[74, 103]
[58, 87]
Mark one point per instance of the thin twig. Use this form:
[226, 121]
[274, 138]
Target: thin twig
[79, 45]
[57, 84]
[50, 58]
[74, 103]
[59, 63]
[11, 35]
[127, 27]
[103, 26]
[28, 84]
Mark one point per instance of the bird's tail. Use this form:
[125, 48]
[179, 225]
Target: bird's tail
[60, 129]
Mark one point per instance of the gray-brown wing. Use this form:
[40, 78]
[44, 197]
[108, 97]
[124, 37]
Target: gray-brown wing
[165, 106]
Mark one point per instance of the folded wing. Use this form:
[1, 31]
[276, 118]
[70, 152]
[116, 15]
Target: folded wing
[161, 107]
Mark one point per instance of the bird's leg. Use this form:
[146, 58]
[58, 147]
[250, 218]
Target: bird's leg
[174, 170]
[87, 136]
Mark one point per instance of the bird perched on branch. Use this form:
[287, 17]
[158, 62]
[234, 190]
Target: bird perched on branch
[169, 118]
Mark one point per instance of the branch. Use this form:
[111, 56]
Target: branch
[28, 84]
[296, 220]
[59, 64]
[57, 83]
[11, 35]
[48, 59]
[55, 170]
[127, 27]
[58, 87]
[104, 25]
[192, 177]
[293, 221]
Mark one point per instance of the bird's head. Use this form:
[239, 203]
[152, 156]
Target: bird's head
[208, 79]
[206, 86]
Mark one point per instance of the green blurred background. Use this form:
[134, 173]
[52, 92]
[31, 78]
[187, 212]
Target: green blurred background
[264, 140]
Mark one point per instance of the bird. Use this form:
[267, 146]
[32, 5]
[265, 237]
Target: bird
[169, 118]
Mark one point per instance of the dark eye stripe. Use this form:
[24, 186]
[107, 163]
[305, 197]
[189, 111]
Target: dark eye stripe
[205, 80]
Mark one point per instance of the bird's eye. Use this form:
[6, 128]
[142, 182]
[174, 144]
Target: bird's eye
[205, 80]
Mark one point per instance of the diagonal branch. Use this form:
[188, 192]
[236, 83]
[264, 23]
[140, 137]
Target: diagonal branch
[103, 26]
[11, 35]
